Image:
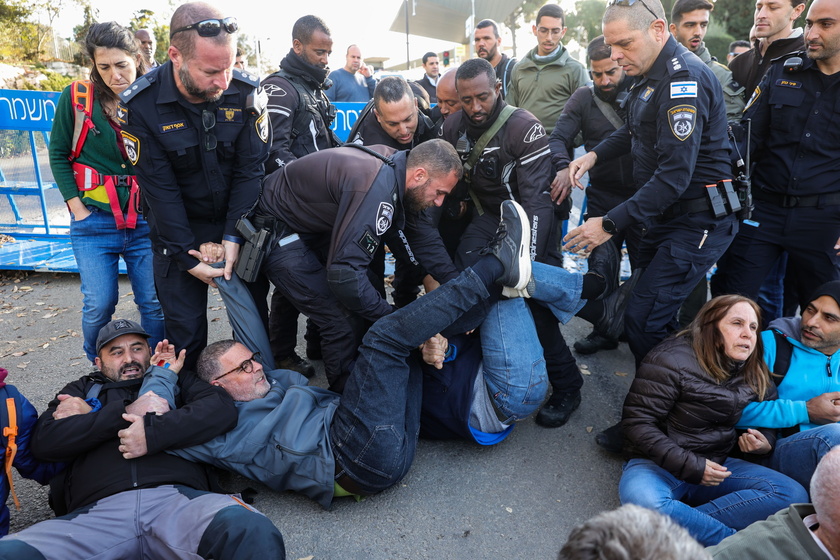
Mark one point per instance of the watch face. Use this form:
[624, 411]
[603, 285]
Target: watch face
[608, 225]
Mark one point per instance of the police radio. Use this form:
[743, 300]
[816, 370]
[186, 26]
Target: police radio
[742, 182]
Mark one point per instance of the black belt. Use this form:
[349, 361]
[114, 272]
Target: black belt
[791, 201]
[692, 206]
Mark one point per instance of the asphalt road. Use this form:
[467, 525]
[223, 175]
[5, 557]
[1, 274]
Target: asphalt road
[518, 499]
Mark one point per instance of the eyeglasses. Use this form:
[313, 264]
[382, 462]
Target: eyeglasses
[208, 119]
[211, 27]
[246, 367]
[629, 3]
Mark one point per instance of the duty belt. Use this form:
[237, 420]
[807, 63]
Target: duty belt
[691, 206]
[791, 201]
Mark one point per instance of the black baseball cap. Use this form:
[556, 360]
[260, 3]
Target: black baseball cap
[115, 328]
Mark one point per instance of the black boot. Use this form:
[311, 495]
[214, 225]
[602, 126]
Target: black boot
[604, 261]
[611, 439]
[558, 409]
[594, 342]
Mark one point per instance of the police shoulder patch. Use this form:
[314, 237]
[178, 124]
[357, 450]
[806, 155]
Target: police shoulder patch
[682, 120]
[368, 242]
[132, 147]
[683, 89]
[384, 217]
[136, 87]
[534, 133]
[753, 98]
[261, 126]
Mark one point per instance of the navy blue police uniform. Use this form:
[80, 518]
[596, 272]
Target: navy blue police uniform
[336, 208]
[199, 167]
[676, 131]
[795, 141]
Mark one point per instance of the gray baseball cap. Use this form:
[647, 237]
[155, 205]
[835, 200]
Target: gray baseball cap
[115, 328]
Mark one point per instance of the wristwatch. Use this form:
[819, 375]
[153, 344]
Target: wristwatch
[608, 225]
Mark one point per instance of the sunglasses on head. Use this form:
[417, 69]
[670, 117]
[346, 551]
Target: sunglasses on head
[629, 3]
[211, 27]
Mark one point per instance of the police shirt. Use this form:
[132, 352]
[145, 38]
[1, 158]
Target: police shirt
[676, 131]
[796, 129]
[193, 193]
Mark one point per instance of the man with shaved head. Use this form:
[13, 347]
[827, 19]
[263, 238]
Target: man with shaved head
[354, 83]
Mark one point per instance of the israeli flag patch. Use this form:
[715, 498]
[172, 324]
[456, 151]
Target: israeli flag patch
[683, 89]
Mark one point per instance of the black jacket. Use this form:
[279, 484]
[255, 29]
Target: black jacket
[750, 67]
[89, 442]
[677, 416]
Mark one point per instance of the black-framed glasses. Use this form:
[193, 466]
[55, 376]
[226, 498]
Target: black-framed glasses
[246, 367]
[629, 3]
[211, 27]
[208, 120]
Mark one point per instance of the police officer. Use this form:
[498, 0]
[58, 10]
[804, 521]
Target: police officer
[393, 118]
[514, 164]
[336, 207]
[301, 116]
[594, 112]
[796, 143]
[677, 133]
[197, 133]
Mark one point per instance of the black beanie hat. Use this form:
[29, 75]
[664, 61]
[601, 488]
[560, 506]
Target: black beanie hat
[830, 289]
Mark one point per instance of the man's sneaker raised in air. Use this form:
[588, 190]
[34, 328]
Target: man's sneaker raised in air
[511, 245]
[298, 364]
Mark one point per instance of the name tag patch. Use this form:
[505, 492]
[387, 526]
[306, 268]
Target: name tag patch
[368, 243]
[682, 120]
[788, 83]
[173, 126]
[683, 89]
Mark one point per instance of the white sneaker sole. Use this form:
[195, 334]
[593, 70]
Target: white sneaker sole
[524, 254]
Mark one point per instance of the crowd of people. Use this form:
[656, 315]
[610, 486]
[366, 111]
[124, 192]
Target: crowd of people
[202, 174]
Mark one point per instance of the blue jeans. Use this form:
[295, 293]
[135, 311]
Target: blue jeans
[797, 455]
[514, 366]
[375, 428]
[710, 513]
[97, 246]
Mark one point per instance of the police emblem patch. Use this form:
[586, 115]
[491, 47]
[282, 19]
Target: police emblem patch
[384, 217]
[682, 119]
[229, 114]
[368, 243]
[535, 133]
[261, 124]
[132, 147]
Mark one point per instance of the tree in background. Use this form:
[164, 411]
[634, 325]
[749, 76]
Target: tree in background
[524, 13]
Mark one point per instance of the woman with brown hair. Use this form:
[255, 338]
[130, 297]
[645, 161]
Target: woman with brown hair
[96, 179]
[679, 421]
